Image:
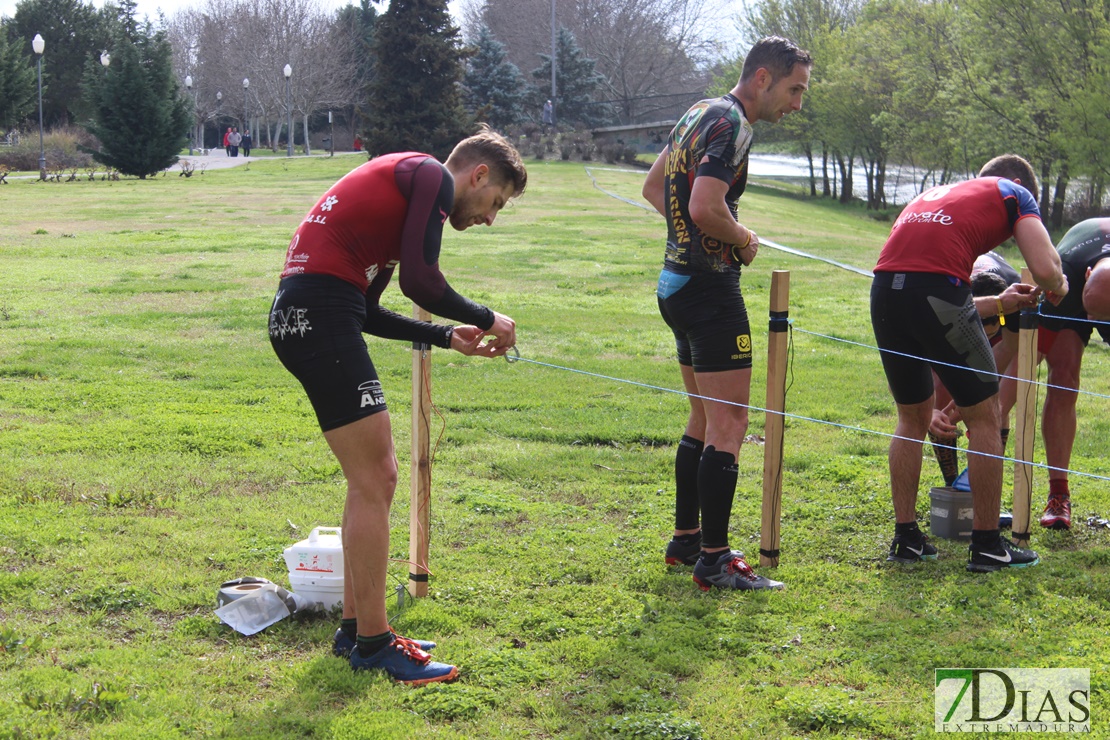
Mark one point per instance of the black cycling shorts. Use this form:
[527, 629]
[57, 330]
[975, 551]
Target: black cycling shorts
[706, 313]
[932, 322]
[316, 330]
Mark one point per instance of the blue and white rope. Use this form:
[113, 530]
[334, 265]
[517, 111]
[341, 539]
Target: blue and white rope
[517, 358]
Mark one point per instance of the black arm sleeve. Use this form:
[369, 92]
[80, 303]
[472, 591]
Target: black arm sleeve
[431, 193]
[381, 322]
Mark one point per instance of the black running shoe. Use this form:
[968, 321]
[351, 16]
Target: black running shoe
[680, 554]
[911, 548]
[731, 571]
[1004, 554]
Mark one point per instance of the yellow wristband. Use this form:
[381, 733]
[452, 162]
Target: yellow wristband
[1001, 312]
[748, 242]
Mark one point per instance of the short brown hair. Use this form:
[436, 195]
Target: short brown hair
[494, 150]
[775, 54]
[1012, 167]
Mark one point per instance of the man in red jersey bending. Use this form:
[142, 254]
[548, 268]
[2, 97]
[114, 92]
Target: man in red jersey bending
[386, 214]
[925, 318]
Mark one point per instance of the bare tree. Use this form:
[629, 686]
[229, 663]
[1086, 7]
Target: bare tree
[232, 40]
[652, 53]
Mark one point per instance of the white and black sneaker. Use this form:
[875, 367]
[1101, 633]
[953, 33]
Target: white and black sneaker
[1003, 554]
[911, 548]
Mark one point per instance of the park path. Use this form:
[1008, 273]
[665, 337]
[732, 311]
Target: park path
[217, 159]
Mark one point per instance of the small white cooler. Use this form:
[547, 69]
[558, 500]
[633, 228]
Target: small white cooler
[316, 566]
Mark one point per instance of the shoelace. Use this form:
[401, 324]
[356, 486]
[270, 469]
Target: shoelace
[741, 568]
[411, 650]
[1057, 505]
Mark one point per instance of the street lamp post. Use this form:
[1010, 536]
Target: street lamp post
[219, 123]
[193, 133]
[39, 47]
[246, 108]
[288, 71]
[331, 135]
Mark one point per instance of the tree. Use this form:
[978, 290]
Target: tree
[414, 97]
[139, 114]
[494, 89]
[360, 23]
[576, 85]
[74, 32]
[17, 84]
[652, 54]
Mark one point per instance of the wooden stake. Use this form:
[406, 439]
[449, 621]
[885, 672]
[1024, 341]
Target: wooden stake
[773, 428]
[421, 476]
[1025, 421]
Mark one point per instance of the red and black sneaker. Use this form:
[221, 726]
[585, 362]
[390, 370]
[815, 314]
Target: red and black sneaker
[683, 553]
[1057, 513]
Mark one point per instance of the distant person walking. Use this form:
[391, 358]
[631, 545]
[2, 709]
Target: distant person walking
[233, 139]
[227, 142]
[247, 143]
[548, 114]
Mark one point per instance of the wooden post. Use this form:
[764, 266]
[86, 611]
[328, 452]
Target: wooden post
[773, 431]
[1025, 420]
[421, 477]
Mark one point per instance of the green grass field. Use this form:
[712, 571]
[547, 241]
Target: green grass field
[152, 447]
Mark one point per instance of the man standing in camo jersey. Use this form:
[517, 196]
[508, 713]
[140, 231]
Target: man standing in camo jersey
[696, 184]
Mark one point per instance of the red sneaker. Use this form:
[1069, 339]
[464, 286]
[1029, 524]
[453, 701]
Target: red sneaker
[1057, 513]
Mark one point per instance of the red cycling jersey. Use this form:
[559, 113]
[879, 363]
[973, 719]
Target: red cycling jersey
[387, 212]
[945, 228]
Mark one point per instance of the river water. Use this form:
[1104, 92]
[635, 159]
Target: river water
[901, 182]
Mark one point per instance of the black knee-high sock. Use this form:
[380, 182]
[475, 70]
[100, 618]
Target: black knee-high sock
[946, 458]
[686, 462]
[717, 475]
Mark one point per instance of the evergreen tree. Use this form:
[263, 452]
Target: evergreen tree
[17, 84]
[360, 22]
[74, 32]
[494, 89]
[414, 97]
[576, 82]
[139, 114]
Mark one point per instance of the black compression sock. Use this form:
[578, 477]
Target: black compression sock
[367, 646]
[906, 528]
[946, 459]
[711, 558]
[717, 475]
[349, 627]
[687, 458]
[983, 538]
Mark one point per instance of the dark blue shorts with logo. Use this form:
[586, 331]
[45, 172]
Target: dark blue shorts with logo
[706, 313]
[316, 330]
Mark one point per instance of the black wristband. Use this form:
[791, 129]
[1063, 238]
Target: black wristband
[446, 342]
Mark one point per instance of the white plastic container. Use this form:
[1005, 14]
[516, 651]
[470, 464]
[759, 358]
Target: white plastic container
[316, 566]
[324, 589]
[320, 555]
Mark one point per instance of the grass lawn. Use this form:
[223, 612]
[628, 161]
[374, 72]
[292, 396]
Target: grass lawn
[152, 447]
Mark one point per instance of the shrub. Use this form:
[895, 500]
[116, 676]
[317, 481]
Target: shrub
[60, 147]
